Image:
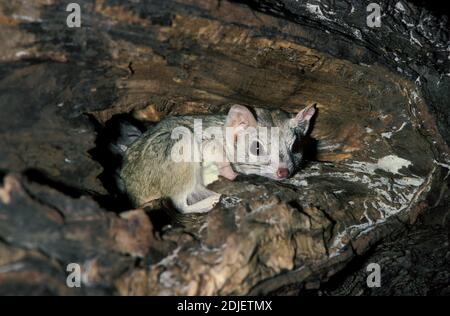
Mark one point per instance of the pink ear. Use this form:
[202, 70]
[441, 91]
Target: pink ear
[300, 123]
[240, 116]
[306, 114]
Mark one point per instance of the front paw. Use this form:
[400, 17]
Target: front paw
[228, 173]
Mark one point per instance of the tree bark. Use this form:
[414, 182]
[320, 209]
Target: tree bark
[374, 188]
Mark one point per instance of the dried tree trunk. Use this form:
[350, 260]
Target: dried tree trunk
[378, 158]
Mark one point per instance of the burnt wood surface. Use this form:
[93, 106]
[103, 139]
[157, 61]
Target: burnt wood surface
[374, 188]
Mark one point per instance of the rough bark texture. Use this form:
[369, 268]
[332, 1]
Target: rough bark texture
[378, 153]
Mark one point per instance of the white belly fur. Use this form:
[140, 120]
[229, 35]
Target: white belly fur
[210, 173]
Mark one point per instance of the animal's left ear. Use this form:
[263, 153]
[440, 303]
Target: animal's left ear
[300, 123]
[240, 118]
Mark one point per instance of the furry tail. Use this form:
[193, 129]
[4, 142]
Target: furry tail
[127, 135]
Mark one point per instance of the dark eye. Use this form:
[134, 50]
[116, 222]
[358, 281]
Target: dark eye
[256, 149]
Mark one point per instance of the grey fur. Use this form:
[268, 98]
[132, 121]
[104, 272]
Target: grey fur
[128, 134]
[148, 172]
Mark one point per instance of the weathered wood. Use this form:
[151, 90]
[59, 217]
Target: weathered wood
[378, 150]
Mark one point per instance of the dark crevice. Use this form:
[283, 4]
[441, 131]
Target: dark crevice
[2, 176]
[339, 281]
[110, 160]
[436, 7]
[294, 204]
[43, 203]
[40, 177]
[87, 83]
[160, 218]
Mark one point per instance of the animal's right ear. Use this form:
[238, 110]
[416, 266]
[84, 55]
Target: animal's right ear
[240, 118]
[300, 123]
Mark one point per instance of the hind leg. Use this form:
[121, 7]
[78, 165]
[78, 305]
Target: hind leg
[195, 198]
